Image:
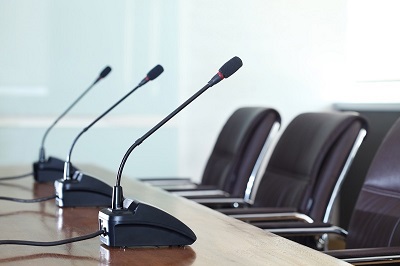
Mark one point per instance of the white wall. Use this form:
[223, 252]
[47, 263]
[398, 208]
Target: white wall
[52, 51]
[294, 55]
[292, 51]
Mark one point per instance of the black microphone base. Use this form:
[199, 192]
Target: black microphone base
[50, 170]
[82, 191]
[142, 225]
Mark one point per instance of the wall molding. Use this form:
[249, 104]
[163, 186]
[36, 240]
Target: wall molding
[120, 121]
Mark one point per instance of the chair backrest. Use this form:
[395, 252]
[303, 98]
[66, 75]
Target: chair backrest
[375, 221]
[309, 162]
[238, 147]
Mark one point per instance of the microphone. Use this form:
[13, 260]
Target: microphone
[76, 189]
[133, 223]
[226, 70]
[51, 169]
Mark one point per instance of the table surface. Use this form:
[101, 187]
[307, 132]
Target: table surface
[221, 240]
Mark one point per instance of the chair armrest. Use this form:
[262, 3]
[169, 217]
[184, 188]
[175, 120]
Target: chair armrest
[192, 187]
[273, 216]
[256, 210]
[172, 181]
[302, 229]
[222, 202]
[176, 186]
[260, 214]
[202, 193]
[368, 255]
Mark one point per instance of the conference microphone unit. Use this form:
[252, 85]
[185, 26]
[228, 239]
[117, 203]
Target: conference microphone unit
[51, 169]
[76, 189]
[130, 223]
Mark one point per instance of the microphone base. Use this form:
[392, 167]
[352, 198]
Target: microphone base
[82, 191]
[50, 170]
[141, 225]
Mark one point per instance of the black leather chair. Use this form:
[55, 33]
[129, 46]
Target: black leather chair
[235, 158]
[305, 170]
[374, 231]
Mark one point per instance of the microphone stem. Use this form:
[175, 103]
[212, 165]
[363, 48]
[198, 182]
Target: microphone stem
[154, 129]
[97, 119]
[42, 156]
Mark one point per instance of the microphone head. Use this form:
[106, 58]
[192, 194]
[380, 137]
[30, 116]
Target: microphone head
[155, 72]
[105, 72]
[231, 67]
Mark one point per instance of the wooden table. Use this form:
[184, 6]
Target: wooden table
[221, 240]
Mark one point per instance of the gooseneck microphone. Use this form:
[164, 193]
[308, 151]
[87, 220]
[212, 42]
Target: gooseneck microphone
[51, 169]
[102, 75]
[154, 73]
[75, 188]
[132, 223]
[225, 71]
